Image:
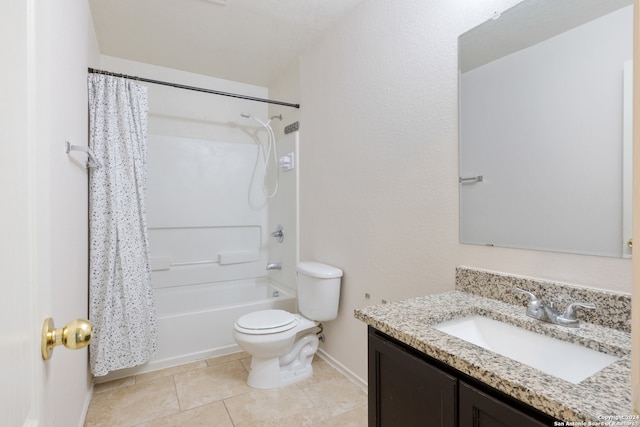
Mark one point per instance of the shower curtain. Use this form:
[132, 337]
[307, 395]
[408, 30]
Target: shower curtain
[121, 304]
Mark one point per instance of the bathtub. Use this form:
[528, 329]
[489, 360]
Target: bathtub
[196, 322]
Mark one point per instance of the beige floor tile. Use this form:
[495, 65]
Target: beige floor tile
[227, 357]
[110, 385]
[134, 404]
[211, 415]
[246, 362]
[213, 393]
[280, 407]
[202, 386]
[170, 371]
[354, 418]
[330, 391]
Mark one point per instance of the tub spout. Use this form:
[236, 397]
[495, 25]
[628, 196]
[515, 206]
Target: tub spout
[274, 266]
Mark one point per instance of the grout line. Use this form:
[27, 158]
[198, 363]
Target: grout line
[224, 402]
[175, 389]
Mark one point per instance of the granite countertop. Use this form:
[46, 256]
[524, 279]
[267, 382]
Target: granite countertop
[598, 398]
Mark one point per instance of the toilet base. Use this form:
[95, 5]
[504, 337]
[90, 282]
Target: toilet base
[295, 366]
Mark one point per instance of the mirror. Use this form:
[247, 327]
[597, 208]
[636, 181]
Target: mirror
[542, 128]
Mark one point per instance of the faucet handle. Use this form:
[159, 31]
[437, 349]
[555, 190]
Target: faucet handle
[534, 302]
[570, 313]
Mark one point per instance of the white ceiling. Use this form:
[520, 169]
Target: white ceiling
[250, 41]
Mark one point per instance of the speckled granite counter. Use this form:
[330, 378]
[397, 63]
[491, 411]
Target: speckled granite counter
[605, 394]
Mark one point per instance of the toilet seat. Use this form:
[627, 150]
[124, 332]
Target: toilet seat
[266, 322]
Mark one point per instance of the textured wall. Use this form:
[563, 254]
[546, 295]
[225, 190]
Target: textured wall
[379, 165]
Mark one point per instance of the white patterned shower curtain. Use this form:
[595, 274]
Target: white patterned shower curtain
[121, 305]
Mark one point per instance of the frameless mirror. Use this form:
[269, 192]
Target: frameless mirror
[543, 156]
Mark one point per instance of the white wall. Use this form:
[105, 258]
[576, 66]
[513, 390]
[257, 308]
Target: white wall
[379, 165]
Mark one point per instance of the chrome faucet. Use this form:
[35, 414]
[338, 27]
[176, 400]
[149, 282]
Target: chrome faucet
[547, 313]
[279, 233]
[274, 266]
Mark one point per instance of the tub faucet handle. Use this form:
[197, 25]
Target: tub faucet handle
[278, 233]
[274, 266]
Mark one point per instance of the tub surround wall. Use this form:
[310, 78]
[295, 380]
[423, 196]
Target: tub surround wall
[201, 227]
[613, 308]
[203, 197]
[283, 210]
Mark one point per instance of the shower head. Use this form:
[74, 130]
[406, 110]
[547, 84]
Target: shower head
[249, 116]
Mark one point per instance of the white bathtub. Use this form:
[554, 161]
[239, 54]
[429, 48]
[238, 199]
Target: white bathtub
[196, 322]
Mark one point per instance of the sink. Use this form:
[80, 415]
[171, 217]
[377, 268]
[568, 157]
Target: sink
[571, 362]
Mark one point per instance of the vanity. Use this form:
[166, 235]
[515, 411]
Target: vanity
[422, 376]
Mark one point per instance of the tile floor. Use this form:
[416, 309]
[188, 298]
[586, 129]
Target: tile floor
[214, 393]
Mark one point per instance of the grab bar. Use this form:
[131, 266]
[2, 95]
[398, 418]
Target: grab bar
[225, 258]
[206, 261]
[471, 179]
[92, 162]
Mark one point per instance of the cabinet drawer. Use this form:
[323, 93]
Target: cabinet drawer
[478, 409]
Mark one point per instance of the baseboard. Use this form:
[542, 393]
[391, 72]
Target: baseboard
[85, 406]
[343, 370]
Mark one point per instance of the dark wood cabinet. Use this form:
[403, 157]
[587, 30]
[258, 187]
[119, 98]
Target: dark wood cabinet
[478, 409]
[410, 389]
[407, 391]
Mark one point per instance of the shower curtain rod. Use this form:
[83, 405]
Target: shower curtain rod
[197, 89]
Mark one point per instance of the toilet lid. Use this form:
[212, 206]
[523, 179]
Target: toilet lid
[267, 319]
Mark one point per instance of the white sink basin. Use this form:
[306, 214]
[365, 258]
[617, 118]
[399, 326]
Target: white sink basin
[562, 359]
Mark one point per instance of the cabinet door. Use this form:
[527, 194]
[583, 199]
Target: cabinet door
[478, 409]
[405, 391]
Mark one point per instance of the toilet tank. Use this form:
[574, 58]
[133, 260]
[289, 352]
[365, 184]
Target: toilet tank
[318, 290]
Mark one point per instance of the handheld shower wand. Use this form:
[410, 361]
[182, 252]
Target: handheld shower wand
[271, 143]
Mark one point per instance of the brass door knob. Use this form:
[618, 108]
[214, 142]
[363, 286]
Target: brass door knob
[74, 335]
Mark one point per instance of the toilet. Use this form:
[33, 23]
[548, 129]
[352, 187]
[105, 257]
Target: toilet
[282, 344]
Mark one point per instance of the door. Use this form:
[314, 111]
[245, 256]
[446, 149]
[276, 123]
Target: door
[22, 282]
[405, 391]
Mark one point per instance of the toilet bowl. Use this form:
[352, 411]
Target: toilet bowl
[282, 344]
[276, 361]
